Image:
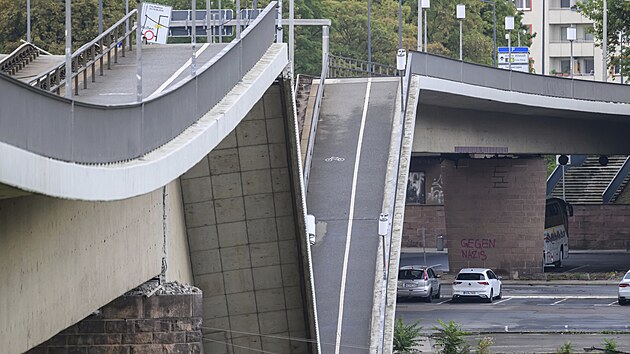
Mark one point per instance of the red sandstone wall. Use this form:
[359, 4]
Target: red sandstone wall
[135, 325]
[602, 227]
[431, 217]
[495, 210]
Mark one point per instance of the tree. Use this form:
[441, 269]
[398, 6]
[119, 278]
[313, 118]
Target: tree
[618, 15]
[48, 22]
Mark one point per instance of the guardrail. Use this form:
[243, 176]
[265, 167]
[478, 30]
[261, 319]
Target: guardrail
[88, 55]
[56, 127]
[19, 58]
[308, 160]
[617, 181]
[475, 74]
[348, 67]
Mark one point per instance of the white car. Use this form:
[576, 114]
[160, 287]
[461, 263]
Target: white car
[624, 289]
[477, 283]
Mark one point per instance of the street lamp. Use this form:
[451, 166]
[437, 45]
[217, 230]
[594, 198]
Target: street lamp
[509, 26]
[571, 36]
[605, 42]
[425, 5]
[461, 14]
[494, 19]
[422, 5]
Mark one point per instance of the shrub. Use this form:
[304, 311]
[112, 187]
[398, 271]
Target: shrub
[450, 338]
[566, 348]
[406, 336]
[610, 346]
[484, 344]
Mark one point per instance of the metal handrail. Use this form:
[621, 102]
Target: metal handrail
[19, 58]
[616, 182]
[450, 69]
[347, 67]
[88, 55]
[315, 119]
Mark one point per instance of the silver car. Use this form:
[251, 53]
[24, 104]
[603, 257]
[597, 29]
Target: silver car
[624, 289]
[418, 282]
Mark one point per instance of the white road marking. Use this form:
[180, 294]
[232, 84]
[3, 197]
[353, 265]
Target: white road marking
[178, 72]
[559, 301]
[350, 217]
[572, 269]
[441, 302]
[115, 94]
[502, 301]
[562, 297]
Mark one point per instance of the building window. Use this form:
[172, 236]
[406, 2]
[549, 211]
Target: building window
[524, 4]
[565, 66]
[589, 66]
[588, 33]
[617, 70]
[565, 4]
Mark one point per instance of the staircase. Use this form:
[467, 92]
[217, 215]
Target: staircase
[585, 184]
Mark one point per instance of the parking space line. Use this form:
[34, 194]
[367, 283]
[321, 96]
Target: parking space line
[576, 268]
[562, 297]
[445, 300]
[502, 301]
[559, 301]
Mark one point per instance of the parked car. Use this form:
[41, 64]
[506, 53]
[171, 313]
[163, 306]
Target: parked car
[477, 283]
[624, 289]
[417, 281]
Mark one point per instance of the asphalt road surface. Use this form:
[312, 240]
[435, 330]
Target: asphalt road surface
[346, 199]
[526, 308]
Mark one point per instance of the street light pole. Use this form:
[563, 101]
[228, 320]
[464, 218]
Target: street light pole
[426, 4]
[419, 25]
[369, 9]
[605, 42]
[494, 25]
[28, 21]
[571, 36]
[509, 26]
[461, 14]
[399, 24]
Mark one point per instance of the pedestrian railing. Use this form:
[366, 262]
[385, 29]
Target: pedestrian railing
[108, 43]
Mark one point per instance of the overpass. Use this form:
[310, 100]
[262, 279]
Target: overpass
[199, 183]
[204, 180]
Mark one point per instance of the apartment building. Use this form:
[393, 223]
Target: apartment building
[550, 20]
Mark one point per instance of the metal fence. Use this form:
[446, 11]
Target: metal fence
[450, 69]
[52, 126]
[339, 67]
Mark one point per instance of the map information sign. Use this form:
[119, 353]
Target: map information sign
[155, 21]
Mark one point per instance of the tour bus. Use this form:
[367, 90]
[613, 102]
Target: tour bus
[557, 213]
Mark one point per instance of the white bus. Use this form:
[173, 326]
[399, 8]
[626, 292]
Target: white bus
[557, 213]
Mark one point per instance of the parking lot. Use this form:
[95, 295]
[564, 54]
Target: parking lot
[527, 307]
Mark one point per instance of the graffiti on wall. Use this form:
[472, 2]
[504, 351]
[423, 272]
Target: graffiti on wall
[436, 195]
[475, 248]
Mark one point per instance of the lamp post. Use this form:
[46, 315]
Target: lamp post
[461, 14]
[494, 22]
[399, 24]
[509, 26]
[68, 50]
[425, 5]
[28, 21]
[605, 42]
[571, 36]
[369, 11]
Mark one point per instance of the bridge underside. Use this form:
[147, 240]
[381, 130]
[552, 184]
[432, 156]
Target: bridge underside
[479, 154]
[451, 123]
